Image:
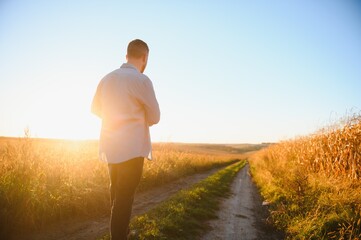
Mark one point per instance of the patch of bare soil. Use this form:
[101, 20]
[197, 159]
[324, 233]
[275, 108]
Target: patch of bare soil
[78, 229]
[242, 215]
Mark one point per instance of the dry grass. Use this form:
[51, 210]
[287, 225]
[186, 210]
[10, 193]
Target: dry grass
[43, 181]
[314, 182]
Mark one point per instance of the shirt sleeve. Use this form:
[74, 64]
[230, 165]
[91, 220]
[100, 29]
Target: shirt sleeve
[96, 106]
[149, 102]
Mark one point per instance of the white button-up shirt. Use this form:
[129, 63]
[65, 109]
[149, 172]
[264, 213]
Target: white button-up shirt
[126, 102]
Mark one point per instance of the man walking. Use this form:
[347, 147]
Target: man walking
[126, 103]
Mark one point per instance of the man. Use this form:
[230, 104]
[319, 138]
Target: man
[126, 103]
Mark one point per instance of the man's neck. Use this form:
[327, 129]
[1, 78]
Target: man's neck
[136, 64]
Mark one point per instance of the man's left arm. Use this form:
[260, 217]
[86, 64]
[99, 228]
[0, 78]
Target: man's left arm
[150, 103]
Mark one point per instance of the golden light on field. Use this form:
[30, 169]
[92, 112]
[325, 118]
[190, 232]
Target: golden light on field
[61, 179]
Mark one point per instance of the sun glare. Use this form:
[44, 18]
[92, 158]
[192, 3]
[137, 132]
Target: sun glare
[53, 115]
[81, 128]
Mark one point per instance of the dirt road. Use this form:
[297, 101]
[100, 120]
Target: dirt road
[242, 216]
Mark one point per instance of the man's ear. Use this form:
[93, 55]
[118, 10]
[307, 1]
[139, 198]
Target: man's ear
[126, 57]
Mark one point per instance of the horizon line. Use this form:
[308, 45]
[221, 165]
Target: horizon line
[95, 140]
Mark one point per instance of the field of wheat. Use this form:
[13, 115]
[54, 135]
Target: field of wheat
[44, 181]
[314, 182]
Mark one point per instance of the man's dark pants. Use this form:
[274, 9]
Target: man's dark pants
[124, 179]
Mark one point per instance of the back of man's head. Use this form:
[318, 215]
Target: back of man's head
[137, 48]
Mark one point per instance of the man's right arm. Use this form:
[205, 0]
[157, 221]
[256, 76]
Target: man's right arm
[96, 106]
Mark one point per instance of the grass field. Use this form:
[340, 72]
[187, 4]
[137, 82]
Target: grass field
[314, 182]
[44, 181]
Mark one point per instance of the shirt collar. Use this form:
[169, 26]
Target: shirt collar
[128, 65]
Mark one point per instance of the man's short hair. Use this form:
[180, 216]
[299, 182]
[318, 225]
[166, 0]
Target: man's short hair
[137, 48]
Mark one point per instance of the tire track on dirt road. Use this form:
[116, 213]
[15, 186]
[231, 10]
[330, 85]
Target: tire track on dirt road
[241, 215]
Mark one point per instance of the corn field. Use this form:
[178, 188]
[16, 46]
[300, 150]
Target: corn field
[334, 151]
[313, 183]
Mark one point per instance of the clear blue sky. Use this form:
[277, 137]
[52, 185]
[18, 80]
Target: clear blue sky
[223, 71]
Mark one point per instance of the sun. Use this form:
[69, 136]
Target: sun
[63, 114]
